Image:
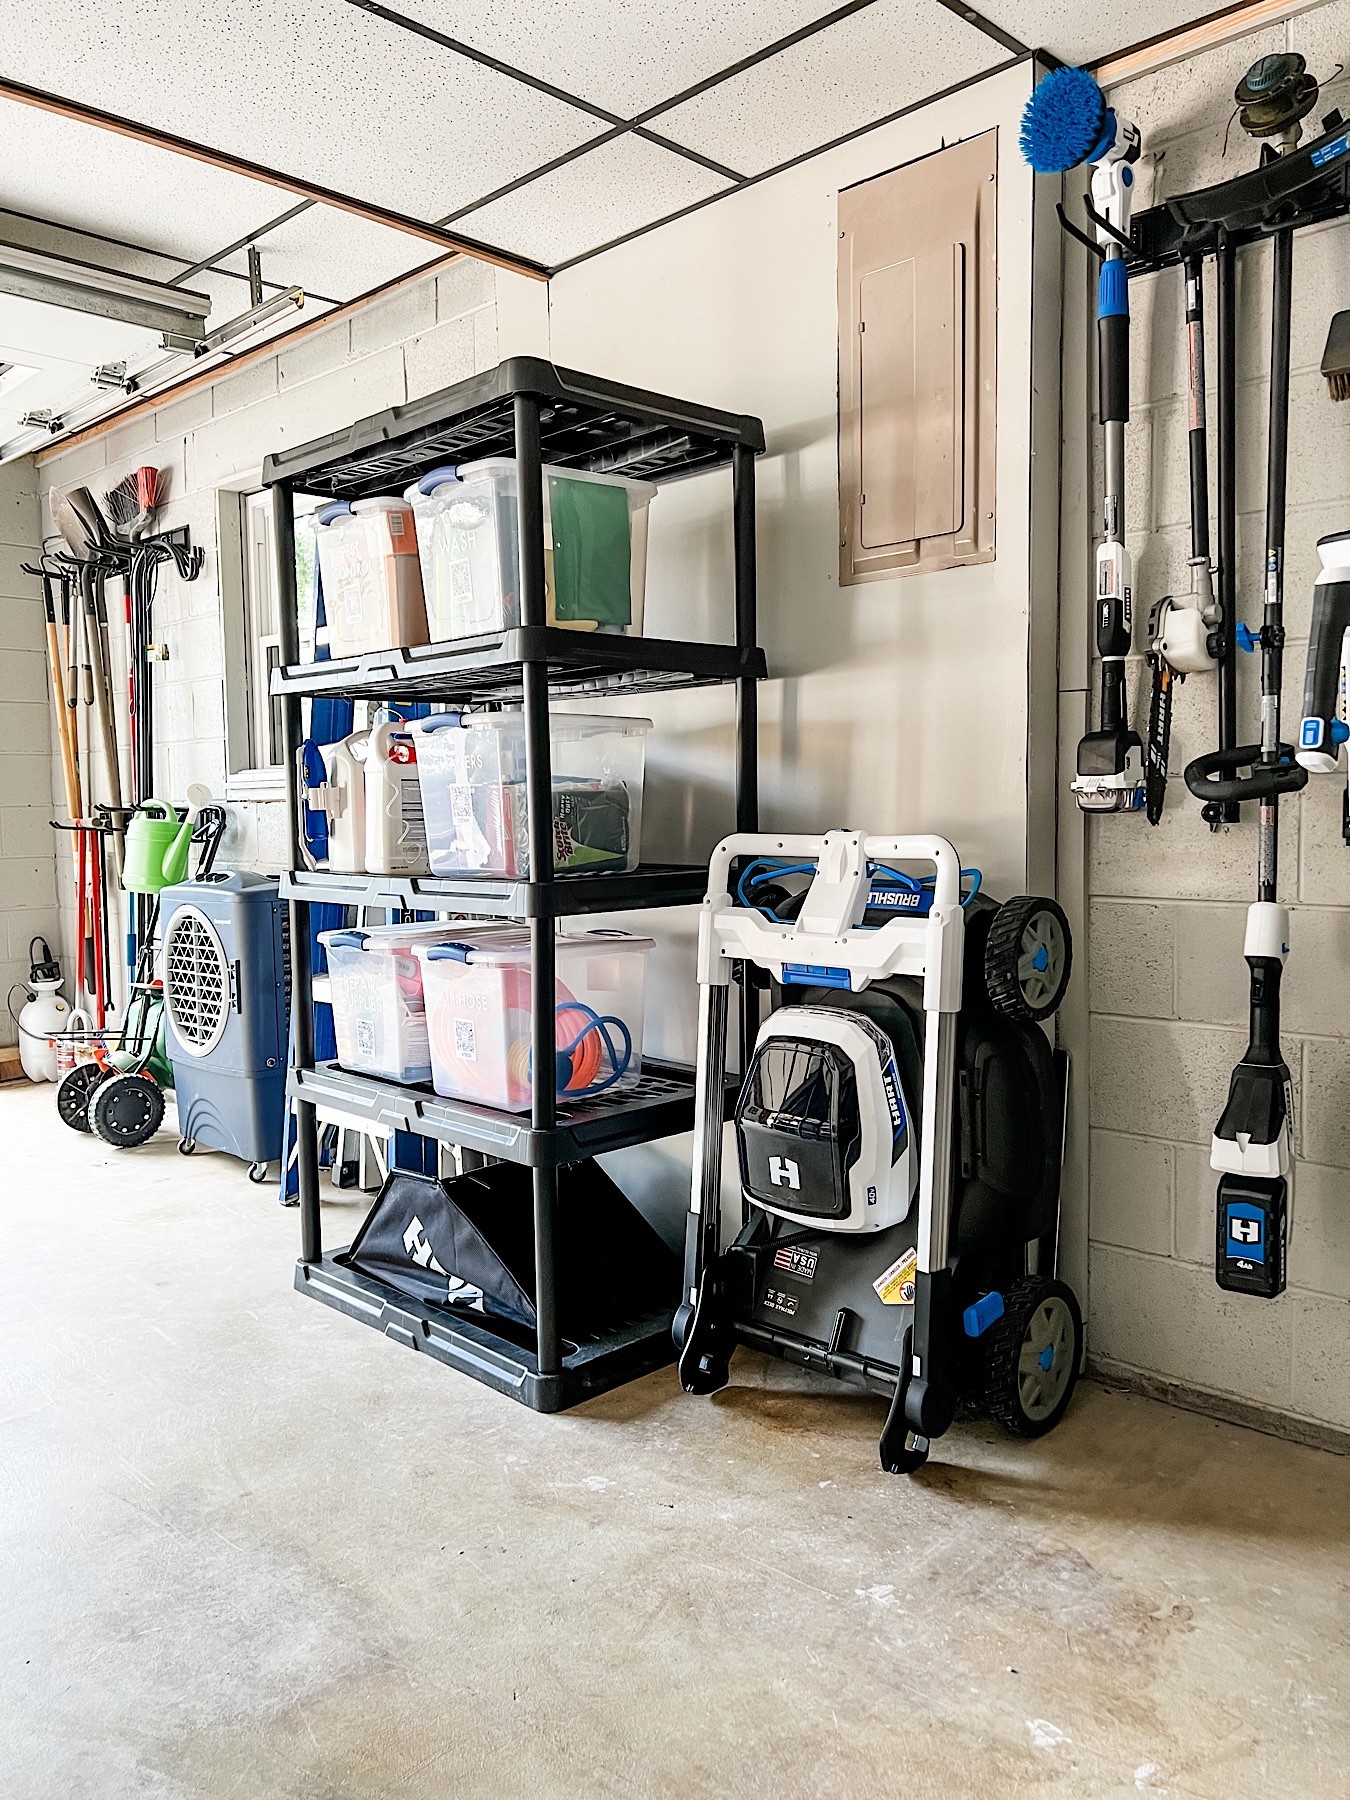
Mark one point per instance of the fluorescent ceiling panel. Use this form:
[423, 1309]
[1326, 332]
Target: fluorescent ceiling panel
[316, 88]
[1086, 31]
[619, 54]
[62, 348]
[82, 176]
[619, 188]
[891, 55]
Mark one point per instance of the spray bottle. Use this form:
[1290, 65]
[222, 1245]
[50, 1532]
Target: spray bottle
[44, 1017]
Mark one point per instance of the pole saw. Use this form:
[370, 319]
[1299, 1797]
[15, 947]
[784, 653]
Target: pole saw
[1067, 123]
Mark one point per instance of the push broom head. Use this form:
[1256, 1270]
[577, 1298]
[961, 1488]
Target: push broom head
[1066, 122]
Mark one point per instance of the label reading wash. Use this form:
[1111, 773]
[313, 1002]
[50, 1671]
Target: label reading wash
[895, 1286]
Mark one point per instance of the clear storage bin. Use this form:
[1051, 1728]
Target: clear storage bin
[376, 985]
[372, 579]
[595, 549]
[478, 1016]
[472, 771]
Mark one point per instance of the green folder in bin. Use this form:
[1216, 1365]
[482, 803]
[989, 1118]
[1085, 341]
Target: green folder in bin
[592, 553]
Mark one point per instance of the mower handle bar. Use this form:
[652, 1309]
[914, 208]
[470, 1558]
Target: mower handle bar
[935, 850]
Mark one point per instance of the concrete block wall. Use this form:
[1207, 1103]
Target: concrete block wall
[1167, 986]
[421, 337]
[27, 857]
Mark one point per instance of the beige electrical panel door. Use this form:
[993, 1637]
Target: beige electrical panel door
[916, 365]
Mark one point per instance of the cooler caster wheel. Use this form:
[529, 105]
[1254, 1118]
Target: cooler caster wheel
[73, 1093]
[257, 1173]
[1028, 958]
[1032, 1356]
[186, 1146]
[127, 1110]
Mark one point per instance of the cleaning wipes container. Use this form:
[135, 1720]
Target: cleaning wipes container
[595, 548]
[472, 771]
[477, 997]
[376, 984]
[372, 580]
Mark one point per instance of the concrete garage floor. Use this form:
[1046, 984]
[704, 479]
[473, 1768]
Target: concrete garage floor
[249, 1549]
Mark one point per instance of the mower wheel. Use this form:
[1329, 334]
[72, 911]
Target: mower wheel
[1032, 1356]
[1028, 957]
[127, 1110]
[73, 1093]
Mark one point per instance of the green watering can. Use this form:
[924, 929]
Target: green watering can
[157, 848]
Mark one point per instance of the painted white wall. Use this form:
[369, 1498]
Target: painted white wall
[1163, 1017]
[27, 858]
[898, 705]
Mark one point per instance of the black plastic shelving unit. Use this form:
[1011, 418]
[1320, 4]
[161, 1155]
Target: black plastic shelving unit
[538, 414]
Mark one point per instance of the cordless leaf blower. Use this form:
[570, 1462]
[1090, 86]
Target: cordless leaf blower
[1067, 123]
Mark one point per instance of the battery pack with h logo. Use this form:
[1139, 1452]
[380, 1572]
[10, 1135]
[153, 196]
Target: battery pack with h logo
[1250, 1236]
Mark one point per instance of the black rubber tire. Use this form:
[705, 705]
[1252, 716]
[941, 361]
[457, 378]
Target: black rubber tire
[1003, 952]
[186, 1146]
[73, 1093]
[127, 1110]
[1009, 1399]
[258, 1173]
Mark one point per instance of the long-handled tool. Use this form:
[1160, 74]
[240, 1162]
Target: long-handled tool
[1252, 1143]
[1183, 633]
[1067, 123]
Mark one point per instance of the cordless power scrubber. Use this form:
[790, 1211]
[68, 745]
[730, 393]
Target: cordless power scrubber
[899, 1130]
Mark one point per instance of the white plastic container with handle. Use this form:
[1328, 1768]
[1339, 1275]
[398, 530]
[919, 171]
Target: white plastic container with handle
[396, 833]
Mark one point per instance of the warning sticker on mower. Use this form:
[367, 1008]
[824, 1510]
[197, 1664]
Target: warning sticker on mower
[895, 1286]
[797, 1259]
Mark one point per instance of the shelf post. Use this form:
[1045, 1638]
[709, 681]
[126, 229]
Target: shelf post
[539, 800]
[747, 698]
[302, 997]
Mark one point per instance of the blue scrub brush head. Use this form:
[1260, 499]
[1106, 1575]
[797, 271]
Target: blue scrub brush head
[1066, 122]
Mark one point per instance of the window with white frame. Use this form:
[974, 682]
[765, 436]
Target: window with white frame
[248, 570]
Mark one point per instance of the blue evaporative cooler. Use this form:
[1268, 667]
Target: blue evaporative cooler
[225, 1000]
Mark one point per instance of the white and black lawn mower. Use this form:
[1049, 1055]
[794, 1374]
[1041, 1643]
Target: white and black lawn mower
[899, 1132]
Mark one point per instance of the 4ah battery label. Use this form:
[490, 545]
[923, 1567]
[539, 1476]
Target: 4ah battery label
[797, 1259]
[895, 1286]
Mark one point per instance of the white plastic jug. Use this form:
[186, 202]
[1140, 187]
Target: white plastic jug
[45, 1015]
[396, 834]
[344, 798]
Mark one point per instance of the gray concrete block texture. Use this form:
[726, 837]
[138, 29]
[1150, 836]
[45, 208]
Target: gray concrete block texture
[27, 854]
[1167, 986]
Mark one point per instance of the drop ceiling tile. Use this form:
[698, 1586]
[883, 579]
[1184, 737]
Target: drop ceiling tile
[1085, 30]
[315, 88]
[84, 177]
[626, 184]
[624, 55]
[335, 253]
[890, 55]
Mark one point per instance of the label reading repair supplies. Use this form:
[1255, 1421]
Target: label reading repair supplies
[895, 1286]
